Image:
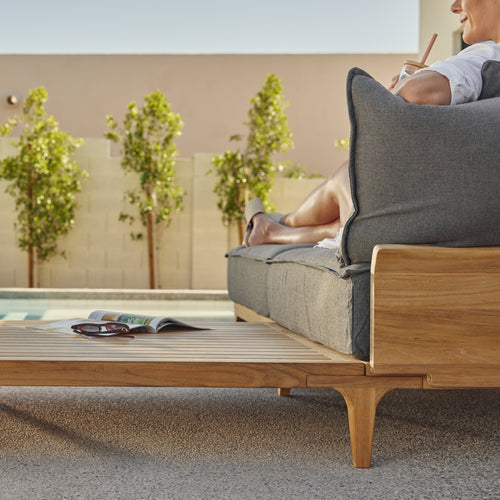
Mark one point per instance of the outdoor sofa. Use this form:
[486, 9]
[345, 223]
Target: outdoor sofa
[414, 289]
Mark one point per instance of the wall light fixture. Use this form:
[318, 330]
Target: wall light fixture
[12, 100]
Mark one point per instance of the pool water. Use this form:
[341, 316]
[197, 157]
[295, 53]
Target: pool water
[53, 309]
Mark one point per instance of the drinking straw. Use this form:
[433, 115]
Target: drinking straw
[429, 48]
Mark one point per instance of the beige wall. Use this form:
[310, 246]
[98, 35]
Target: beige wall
[436, 17]
[211, 92]
[100, 253]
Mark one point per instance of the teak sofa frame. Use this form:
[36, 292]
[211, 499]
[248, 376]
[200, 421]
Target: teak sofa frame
[435, 324]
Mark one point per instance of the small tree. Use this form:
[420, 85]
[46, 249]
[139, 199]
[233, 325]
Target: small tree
[244, 174]
[44, 179]
[148, 148]
[299, 172]
[343, 144]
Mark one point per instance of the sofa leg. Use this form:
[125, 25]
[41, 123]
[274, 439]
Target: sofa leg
[361, 407]
[284, 391]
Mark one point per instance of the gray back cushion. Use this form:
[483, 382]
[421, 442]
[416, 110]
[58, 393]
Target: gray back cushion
[491, 80]
[420, 174]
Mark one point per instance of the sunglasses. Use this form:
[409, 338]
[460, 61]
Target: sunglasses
[101, 330]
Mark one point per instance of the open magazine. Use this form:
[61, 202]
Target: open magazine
[132, 323]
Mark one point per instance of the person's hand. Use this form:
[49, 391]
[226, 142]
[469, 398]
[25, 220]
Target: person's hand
[394, 81]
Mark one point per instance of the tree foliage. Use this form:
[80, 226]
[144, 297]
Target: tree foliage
[148, 149]
[343, 144]
[299, 172]
[43, 177]
[250, 171]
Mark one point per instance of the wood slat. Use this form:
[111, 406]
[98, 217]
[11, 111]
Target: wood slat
[465, 377]
[228, 355]
[242, 313]
[235, 341]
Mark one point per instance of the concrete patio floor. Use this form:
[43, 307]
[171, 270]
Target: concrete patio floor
[186, 443]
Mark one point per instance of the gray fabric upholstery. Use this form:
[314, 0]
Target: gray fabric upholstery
[420, 174]
[491, 80]
[306, 290]
[248, 276]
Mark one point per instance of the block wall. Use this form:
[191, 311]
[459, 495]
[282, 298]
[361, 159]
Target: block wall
[99, 251]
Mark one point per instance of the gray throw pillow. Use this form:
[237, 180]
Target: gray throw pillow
[491, 80]
[420, 174]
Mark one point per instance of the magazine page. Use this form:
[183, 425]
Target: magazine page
[61, 326]
[137, 320]
[132, 320]
[171, 324]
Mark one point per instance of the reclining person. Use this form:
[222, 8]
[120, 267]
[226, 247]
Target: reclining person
[456, 80]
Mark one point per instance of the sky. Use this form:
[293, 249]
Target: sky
[208, 26]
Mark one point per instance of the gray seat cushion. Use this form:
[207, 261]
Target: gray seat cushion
[306, 290]
[420, 174]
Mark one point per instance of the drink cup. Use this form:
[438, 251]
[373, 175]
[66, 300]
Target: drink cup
[410, 67]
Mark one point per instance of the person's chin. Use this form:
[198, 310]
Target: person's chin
[467, 38]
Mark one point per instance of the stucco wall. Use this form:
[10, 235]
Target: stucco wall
[210, 92]
[436, 17]
[100, 253]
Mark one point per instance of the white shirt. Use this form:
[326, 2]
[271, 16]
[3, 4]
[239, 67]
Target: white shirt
[464, 70]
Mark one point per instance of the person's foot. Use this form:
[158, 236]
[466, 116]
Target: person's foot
[252, 208]
[264, 230]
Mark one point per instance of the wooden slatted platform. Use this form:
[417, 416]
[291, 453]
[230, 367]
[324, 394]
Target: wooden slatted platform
[228, 355]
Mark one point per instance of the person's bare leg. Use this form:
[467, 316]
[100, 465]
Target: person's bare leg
[330, 201]
[320, 215]
[267, 231]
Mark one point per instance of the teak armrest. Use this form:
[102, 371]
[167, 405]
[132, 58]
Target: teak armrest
[436, 311]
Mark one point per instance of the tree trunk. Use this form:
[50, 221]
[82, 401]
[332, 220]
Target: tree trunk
[241, 229]
[242, 200]
[151, 250]
[31, 258]
[31, 267]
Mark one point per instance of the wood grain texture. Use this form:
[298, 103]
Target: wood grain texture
[466, 377]
[436, 310]
[362, 396]
[242, 313]
[228, 355]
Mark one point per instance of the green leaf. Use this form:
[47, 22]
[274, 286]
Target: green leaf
[244, 175]
[43, 179]
[148, 150]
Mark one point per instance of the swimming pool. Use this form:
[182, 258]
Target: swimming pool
[52, 305]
